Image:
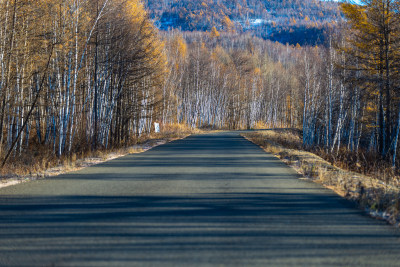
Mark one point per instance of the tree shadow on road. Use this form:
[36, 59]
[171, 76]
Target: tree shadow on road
[241, 228]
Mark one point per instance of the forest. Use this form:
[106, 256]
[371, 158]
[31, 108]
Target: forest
[80, 75]
[76, 75]
[290, 21]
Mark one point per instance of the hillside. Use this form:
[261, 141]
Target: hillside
[288, 21]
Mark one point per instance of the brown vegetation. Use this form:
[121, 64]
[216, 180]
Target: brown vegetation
[87, 76]
[42, 163]
[380, 198]
[77, 76]
[289, 21]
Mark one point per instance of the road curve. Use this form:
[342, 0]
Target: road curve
[207, 200]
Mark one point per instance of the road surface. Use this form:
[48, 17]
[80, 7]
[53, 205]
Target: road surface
[207, 200]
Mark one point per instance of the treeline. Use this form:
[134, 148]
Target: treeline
[230, 81]
[358, 106]
[76, 75]
[344, 96]
[85, 75]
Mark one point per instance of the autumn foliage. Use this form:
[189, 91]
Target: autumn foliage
[77, 75]
[85, 75]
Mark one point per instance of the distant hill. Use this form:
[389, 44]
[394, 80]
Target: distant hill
[286, 21]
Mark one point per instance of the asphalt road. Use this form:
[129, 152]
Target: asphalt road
[207, 200]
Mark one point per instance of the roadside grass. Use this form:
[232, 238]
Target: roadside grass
[40, 162]
[379, 197]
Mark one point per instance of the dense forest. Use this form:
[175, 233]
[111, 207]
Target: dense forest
[84, 75]
[290, 21]
[76, 75]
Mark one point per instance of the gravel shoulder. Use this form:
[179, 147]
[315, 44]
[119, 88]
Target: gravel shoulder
[206, 200]
[379, 199]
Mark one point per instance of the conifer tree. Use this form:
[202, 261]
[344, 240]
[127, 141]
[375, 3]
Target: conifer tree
[372, 45]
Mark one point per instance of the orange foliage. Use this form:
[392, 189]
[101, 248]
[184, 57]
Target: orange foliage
[214, 33]
[228, 25]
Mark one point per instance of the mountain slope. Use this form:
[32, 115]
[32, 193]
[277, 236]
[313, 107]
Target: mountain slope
[286, 21]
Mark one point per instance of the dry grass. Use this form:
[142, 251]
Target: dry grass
[175, 131]
[41, 163]
[380, 198]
